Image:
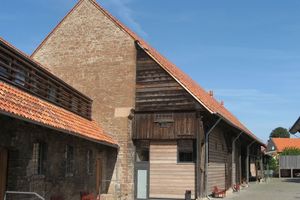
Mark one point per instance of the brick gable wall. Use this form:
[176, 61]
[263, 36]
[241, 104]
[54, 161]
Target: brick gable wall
[89, 52]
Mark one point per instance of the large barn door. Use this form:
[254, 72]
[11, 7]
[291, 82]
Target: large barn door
[3, 171]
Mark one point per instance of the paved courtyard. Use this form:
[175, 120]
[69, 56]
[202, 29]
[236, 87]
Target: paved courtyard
[275, 189]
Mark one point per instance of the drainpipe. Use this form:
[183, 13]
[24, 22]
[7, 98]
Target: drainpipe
[233, 156]
[206, 154]
[247, 161]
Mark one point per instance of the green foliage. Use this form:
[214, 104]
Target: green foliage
[290, 151]
[273, 164]
[280, 132]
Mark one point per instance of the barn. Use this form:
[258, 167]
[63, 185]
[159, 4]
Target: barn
[173, 135]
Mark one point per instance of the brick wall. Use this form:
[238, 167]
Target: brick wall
[18, 138]
[91, 53]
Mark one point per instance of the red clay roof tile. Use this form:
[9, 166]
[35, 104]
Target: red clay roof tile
[282, 143]
[20, 104]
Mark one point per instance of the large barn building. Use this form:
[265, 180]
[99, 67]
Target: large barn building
[173, 136]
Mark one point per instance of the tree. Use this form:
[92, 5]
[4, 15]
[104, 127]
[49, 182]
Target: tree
[280, 133]
[273, 165]
[291, 151]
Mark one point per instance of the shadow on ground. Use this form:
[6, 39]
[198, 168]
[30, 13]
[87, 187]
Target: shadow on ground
[290, 180]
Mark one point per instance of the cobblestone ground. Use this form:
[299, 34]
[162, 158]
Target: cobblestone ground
[275, 189]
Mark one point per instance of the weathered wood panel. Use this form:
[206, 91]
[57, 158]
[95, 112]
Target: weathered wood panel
[218, 171]
[216, 175]
[164, 126]
[234, 177]
[238, 163]
[168, 179]
[289, 162]
[156, 90]
[3, 171]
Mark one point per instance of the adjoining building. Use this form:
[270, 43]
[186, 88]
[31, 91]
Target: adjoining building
[173, 135]
[49, 144]
[296, 127]
[275, 146]
[289, 165]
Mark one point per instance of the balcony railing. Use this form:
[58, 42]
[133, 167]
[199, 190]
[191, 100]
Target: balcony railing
[20, 71]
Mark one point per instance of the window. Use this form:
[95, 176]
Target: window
[69, 155]
[89, 162]
[186, 151]
[38, 158]
[142, 151]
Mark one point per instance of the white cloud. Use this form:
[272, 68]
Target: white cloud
[125, 13]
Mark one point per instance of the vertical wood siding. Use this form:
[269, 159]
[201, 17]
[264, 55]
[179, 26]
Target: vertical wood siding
[168, 179]
[218, 155]
[289, 162]
[182, 126]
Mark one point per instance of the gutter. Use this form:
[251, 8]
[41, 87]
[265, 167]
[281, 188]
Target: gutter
[206, 154]
[233, 156]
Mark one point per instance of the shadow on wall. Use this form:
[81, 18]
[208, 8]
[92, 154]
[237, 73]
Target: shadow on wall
[110, 166]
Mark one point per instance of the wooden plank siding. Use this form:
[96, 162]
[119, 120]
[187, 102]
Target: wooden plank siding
[156, 90]
[289, 162]
[181, 125]
[238, 163]
[218, 160]
[169, 179]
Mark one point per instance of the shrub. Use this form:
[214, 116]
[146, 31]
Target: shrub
[290, 151]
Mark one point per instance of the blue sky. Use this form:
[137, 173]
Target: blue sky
[247, 52]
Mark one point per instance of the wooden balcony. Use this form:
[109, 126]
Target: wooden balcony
[19, 70]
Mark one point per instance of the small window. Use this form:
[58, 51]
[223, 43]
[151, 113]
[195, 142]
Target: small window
[142, 155]
[38, 158]
[89, 162]
[186, 151]
[142, 151]
[69, 155]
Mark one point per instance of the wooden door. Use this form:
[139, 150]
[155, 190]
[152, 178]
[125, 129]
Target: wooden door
[99, 175]
[3, 171]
